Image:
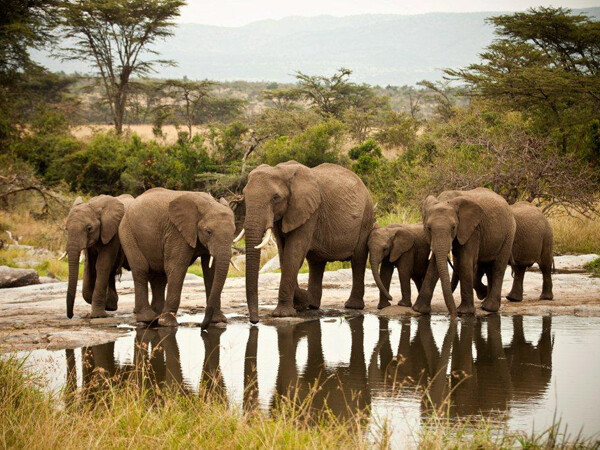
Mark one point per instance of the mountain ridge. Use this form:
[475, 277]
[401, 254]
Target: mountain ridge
[381, 49]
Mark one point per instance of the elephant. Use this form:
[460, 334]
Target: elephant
[533, 244]
[403, 246]
[162, 233]
[478, 226]
[324, 213]
[92, 227]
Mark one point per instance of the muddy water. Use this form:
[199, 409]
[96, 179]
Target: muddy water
[517, 371]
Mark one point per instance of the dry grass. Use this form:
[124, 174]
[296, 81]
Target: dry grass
[144, 131]
[575, 234]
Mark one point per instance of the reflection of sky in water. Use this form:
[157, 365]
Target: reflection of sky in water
[532, 399]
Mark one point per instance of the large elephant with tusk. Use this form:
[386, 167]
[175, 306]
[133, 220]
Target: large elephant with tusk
[162, 233]
[322, 214]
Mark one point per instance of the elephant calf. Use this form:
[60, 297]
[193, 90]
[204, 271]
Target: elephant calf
[92, 226]
[533, 244]
[163, 232]
[403, 246]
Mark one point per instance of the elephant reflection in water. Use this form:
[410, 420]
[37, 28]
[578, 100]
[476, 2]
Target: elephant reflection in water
[342, 391]
[156, 364]
[482, 385]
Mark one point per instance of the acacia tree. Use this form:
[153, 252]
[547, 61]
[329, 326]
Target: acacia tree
[189, 97]
[116, 37]
[544, 63]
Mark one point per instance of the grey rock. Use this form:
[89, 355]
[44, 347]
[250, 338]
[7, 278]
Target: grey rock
[11, 277]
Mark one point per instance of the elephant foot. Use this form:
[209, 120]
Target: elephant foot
[405, 302]
[167, 319]
[354, 303]
[421, 306]
[514, 297]
[284, 309]
[546, 296]
[383, 303]
[465, 309]
[98, 314]
[112, 300]
[146, 316]
[491, 305]
[481, 293]
[218, 317]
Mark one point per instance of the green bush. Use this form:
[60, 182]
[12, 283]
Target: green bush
[318, 144]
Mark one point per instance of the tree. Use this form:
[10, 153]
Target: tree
[189, 96]
[545, 63]
[115, 36]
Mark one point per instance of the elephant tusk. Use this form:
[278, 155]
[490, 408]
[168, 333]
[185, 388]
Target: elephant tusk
[266, 239]
[234, 266]
[239, 236]
[210, 261]
[63, 256]
[430, 253]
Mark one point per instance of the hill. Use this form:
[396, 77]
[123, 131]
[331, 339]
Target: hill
[381, 49]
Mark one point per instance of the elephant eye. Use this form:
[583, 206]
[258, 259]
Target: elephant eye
[88, 228]
[276, 197]
[453, 227]
[209, 232]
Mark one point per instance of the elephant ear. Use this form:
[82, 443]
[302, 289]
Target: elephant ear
[402, 241]
[305, 198]
[184, 214]
[469, 216]
[110, 211]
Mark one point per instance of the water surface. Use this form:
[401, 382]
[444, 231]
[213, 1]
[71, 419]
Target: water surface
[518, 371]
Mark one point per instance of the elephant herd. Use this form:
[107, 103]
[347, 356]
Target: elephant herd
[464, 372]
[319, 214]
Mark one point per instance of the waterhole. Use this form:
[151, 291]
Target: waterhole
[519, 372]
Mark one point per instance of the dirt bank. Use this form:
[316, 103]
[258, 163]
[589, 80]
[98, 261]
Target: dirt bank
[34, 317]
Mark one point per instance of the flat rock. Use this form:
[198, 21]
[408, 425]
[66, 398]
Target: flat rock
[11, 277]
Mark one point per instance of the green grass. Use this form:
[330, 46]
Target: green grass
[593, 267]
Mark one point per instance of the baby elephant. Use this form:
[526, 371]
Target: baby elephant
[92, 227]
[533, 244]
[403, 246]
[162, 233]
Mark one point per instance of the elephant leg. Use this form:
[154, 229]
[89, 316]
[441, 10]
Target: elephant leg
[359, 265]
[158, 283]
[423, 303]
[465, 265]
[315, 282]
[209, 275]
[142, 310]
[480, 289]
[175, 277]
[89, 276]
[546, 268]
[112, 298]
[405, 268]
[104, 265]
[516, 293]
[296, 248]
[385, 272]
[492, 301]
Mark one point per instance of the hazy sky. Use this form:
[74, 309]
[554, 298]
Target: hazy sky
[241, 12]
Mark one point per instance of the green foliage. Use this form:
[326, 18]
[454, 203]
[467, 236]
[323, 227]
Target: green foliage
[545, 63]
[594, 267]
[318, 144]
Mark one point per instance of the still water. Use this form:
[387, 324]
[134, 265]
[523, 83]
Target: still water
[518, 371]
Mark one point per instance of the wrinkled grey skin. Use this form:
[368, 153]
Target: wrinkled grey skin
[405, 247]
[533, 244]
[162, 234]
[321, 214]
[479, 228]
[92, 226]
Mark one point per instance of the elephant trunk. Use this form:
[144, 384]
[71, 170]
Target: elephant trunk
[375, 262]
[73, 253]
[254, 235]
[221, 264]
[441, 248]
